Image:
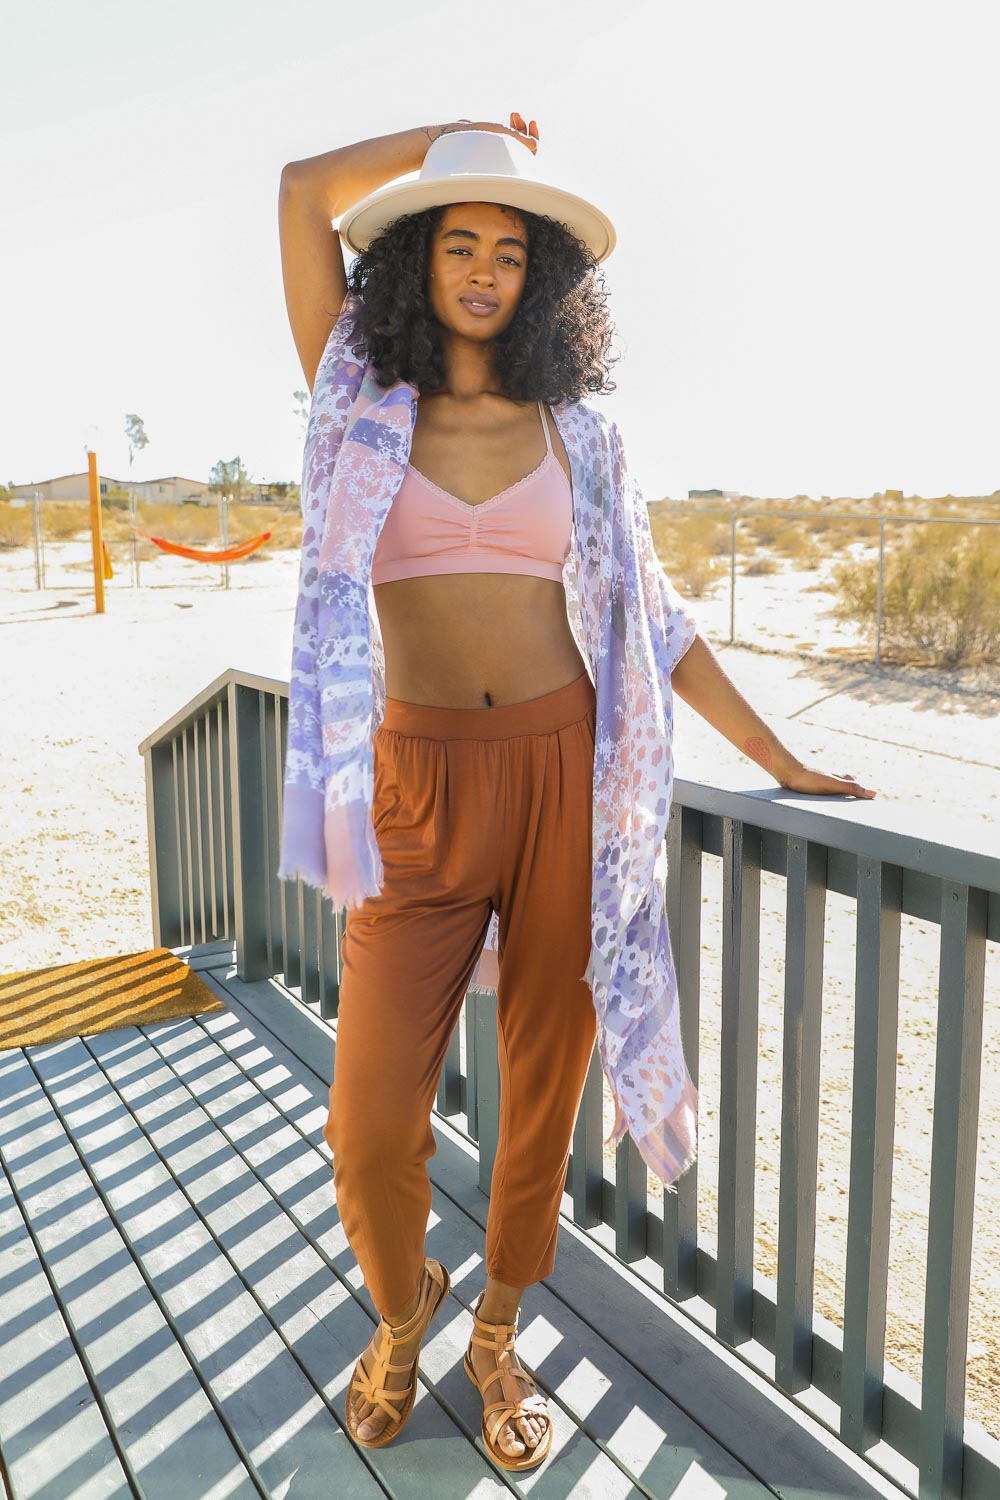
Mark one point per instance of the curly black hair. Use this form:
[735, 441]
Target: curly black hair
[556, 346]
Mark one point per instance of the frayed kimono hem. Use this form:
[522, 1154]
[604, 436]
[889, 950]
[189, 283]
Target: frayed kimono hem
[672, 1145]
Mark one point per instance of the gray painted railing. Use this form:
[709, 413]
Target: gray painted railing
[214, 778]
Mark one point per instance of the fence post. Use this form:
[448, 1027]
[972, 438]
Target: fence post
[878, 608]
[732, 578]
[39, 548]
[224, 528]
[133, 508]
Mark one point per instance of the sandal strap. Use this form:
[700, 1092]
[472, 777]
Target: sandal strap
[400, 1333]
[367, 1383]
[496, 1344]
[507, 1329]
[499, 1412]
[373, 1392]
[500, 1339]
[379, 1396]
[384, 1367]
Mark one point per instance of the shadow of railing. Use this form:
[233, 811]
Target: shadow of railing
[214, 788]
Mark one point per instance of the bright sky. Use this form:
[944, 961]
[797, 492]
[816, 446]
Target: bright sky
[804, 285]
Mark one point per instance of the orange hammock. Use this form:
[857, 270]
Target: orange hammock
[207, 554]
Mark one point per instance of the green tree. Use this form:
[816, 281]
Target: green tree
[135, 433]
[301, 399]
[229, 477]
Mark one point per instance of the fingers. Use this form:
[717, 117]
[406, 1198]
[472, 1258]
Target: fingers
[853, 786]
[844, 784]
[530, 129]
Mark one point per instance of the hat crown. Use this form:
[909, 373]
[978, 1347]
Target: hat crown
[472, 166]
[476, 153]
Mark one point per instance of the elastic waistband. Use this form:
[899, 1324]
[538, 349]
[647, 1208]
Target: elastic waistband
[544, 715]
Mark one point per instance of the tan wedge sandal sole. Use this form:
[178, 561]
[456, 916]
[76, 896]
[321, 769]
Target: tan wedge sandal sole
[370, 1384]
[500, 1338]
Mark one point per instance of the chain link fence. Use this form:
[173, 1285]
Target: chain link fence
[888, 589]
[45, 544]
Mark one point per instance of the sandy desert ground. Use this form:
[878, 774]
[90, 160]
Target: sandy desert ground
[81, 691]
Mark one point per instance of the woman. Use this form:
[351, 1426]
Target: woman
[484, 758]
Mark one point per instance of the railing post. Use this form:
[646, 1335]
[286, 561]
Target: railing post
[161, 825]
[738, 1078]
[487, 1083]
[330, 933]
[873, 1112]
[684, 867]
[586, 1168]
[957, 1077]
[805, 909]
[249, 875]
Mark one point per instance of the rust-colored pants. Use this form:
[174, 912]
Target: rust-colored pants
[474, 809]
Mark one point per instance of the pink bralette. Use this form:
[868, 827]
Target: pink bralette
[527, 528]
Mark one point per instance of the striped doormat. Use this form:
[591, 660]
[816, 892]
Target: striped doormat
[46, 1005]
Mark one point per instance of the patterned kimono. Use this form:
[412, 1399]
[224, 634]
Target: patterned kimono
[631, 627]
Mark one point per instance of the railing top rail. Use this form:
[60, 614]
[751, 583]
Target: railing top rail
[855, 826]
[197, 705]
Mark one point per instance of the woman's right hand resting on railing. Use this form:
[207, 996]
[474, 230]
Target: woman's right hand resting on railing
[701, 680]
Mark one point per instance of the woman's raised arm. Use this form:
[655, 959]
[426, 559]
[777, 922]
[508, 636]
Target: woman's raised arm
[318, 189]
[312, 193]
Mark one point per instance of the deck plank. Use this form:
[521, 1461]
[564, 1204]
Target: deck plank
[215, 1077]
[315, 1311]
[274, 1415]
[179, 1187]
[788, 1450]
[53, 1436]
[601, 1393]
[168, 1432]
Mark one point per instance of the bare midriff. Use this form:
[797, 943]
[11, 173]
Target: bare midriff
[475, 640]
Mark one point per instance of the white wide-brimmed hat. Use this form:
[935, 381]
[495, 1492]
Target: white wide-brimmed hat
[477, 166]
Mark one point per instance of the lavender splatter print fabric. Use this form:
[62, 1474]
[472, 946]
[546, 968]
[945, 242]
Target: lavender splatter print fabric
[632, 628]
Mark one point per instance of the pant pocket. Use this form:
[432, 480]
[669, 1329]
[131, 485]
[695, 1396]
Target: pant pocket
[387, 795]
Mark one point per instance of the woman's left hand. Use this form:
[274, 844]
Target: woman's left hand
[801, 778]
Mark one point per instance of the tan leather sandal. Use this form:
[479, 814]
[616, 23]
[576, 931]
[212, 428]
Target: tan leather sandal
[369, 1385]
[500, 1338]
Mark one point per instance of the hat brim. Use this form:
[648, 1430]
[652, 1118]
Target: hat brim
[360, 223]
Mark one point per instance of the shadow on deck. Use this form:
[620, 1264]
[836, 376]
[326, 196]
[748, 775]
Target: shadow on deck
[182, 1313]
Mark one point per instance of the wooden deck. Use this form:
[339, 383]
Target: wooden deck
[181, 1312]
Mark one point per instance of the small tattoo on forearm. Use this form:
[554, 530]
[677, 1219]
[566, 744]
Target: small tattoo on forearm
[758, 750]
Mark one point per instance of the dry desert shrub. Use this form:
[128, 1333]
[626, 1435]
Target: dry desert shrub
[16, 526]
[941, 595]
[762, 530]
[64, 519]
[791, 539]
[758, 566]
[693, 548]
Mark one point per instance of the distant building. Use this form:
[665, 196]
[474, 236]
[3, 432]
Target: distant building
[169, 490]
[714, 495]
[267, 493]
